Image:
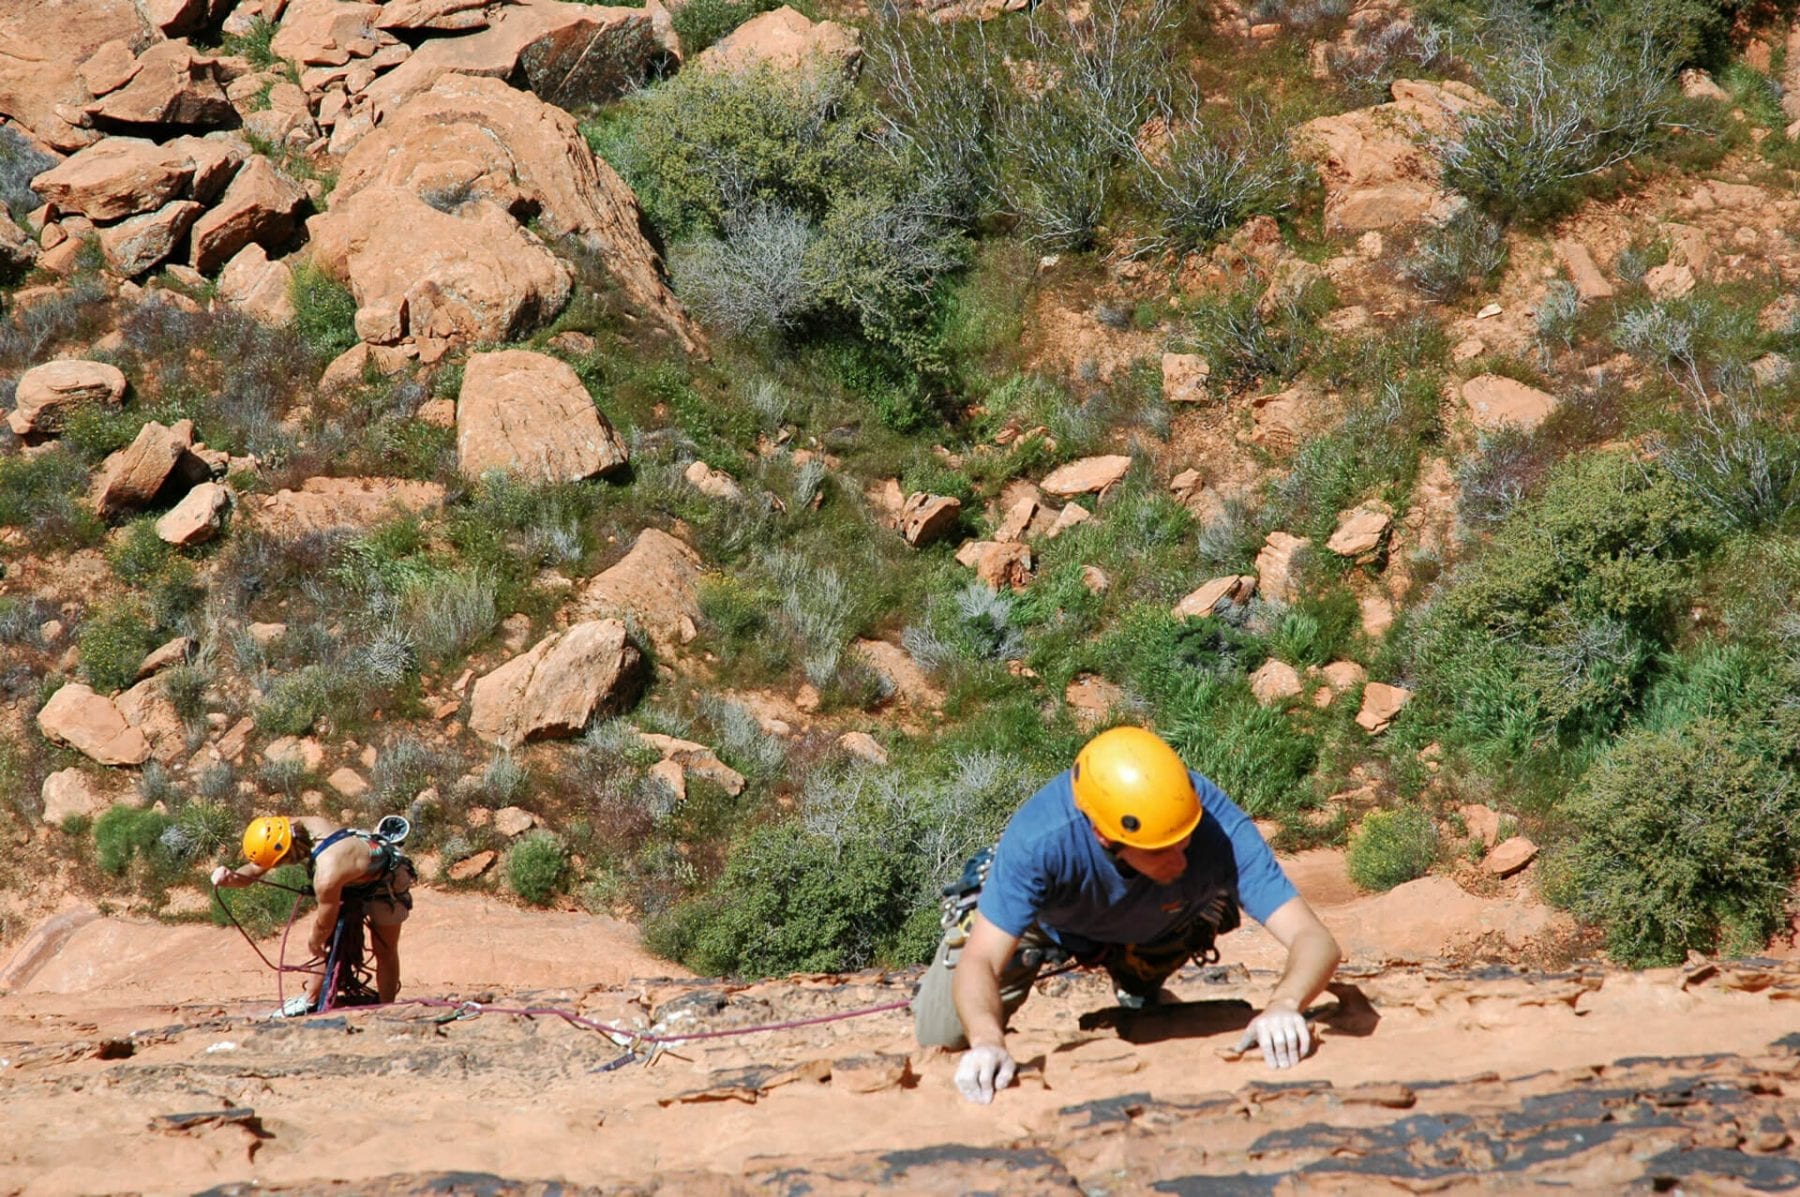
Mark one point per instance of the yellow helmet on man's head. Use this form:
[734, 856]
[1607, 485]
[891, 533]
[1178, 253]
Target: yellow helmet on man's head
[1135, 790]
[267, 840]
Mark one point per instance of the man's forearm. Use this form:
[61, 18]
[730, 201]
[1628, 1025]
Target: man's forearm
[1312, 959]
[976, 992]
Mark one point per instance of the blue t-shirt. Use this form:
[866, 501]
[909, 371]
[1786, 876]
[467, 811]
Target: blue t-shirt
[1050, 869]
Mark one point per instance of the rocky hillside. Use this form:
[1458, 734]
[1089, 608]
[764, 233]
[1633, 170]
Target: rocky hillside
[706, 463]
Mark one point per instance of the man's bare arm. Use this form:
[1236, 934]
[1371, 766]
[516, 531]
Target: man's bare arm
[975, 984]
[1313, 955]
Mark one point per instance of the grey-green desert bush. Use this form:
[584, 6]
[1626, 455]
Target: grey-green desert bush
[1392, 847]
[1739, 457]
[1210, 175]
[20, 162]
[1464, 254]
[537, 866]
[1687, 844]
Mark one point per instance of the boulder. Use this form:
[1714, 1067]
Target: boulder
[528, 414]
[136, 244]
[471, 867]
[1277, 566]
[198, 517]
[109, 68]
[1017, 523]
[115, 178]
[785, 40]
[1590, 284]
[92, 724]
[514, 821]
[174, 652]
[926, 518]
[347, 782]
[1362, 531]
[69, 794]
[558, 687]
[438, 16]
[1495, 400]
[1381, 703]
[1279, 420]
[480, 138]
[259, 288]
[42, 49]
[1509, 856]
[863, 746]
[656, 585]
[1185, 377]
[1671, 280]
[147, 709]
[714, 484]
[1090, 475]
[1068, 517]
[329, 32]
[172, 86]
[1376, 614]
[46, 393]
[303, 751]
[1482, 821]
[261, 205]
[997, 566]
[131, 478]
[1275, 682]
[1234, 589]
[696, 760]
[323, 504]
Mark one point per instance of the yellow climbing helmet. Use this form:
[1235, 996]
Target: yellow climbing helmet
[267, 840]
[1135, 790]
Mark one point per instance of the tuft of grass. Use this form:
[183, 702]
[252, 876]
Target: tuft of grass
[324, 311]
[1392, 847]
[537, 867]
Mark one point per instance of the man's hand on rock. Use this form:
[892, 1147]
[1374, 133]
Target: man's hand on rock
[983, 1072]
[1282, 1034]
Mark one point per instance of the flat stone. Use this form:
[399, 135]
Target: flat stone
[1231, 588]
[1482, 821]
[1495, 400]
[198, 517]
[1277, 566]
[70, 793]
[1590, 284]
[514, 821]
[305, 751]
[1362, 530]
[1381, 703]
[93, 725]
[348, 782]
[46, 393]
[1090, 475]
[1092, 699]
[1509, 856]
[714, 484]
[131, 478]
[471, 867]
[137, 243]
[1275, 682]
[1071, 515]
[174, 652]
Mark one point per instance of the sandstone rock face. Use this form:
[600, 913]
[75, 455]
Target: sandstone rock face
[258, 287]
[1362, 531]
[1071, 515]
[1185, 377]
[785, 40]
[1376, 172]
[1275, 682]
[322, 504]
[440, 16]
[114, 178]
[136, 244]
[927, 518]
[1019, 520]
[174, 652]
[147, 709]
[656, 584]
[91, 724]
[260, 206]
[42, 47]
[476, 144]
[997, 565]
[1232, 588]
[131, 477]
[1090, 475]
[527, 413]
[1276, 566]
[1495, 400]
[1381, 703]
[198, 517]
[558, 687]
[172, 86]
[45, 393]
[70, 793]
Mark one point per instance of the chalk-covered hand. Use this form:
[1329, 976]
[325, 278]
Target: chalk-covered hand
[1282, 1034]
[220, 876]
[983, 1072]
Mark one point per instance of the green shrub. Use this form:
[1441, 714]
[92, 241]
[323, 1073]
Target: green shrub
[1464, 254]
[324, 311]
[263, 910]
[1687, 844]
[114, 641]
[296, 700]
[141, 555]
[1392, 847]
[1211, 176]
[1250, 337]
[536, 867]
[124, 834]
[184, 685]
[1256, 754]
[44, 495]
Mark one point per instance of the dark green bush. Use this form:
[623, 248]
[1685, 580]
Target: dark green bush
[1259, 756]
[324, 312]
[124, 834]
[537, 866]
[1392, 847]
[114, 641]
[1687, 844]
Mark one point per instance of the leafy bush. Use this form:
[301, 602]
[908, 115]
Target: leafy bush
[124, 834]
[1466, 253]
[537, 866]
[1392, 847]
[114, 641]
[324, 311]
[1687, 844]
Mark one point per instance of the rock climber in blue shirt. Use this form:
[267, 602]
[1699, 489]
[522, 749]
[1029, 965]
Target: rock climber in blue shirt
[1129, 860]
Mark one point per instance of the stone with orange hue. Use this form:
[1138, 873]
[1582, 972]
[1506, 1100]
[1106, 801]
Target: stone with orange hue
[997, 566]
[1071, 515]
[863, 746]
[1235, 589]
[197, 518]
[1495, 400]
[137, 243]
[92, 724]
[260, 288]
[1185, 377]
[1482, 821]
[471, 867]
[69, 794]
[558, 687]
[171, 86]
[1275, 682]
[1018, 521]
[114, 178]
[1671, 280]
[1092, 699]
[910, 684]
[322, 504]
[1381, 703]
[783, 40]
[1277, 566]
[714, 484]
[438, 16]
[131, 477]
[1590, 284]
[46, 393]
[1362, 531]
[42, 50]
[656, 584]
[109, 68]
[173, 652]
[527, 414]
[1509, 856]
[926, 518]
[261, 205]
[1090, 475]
